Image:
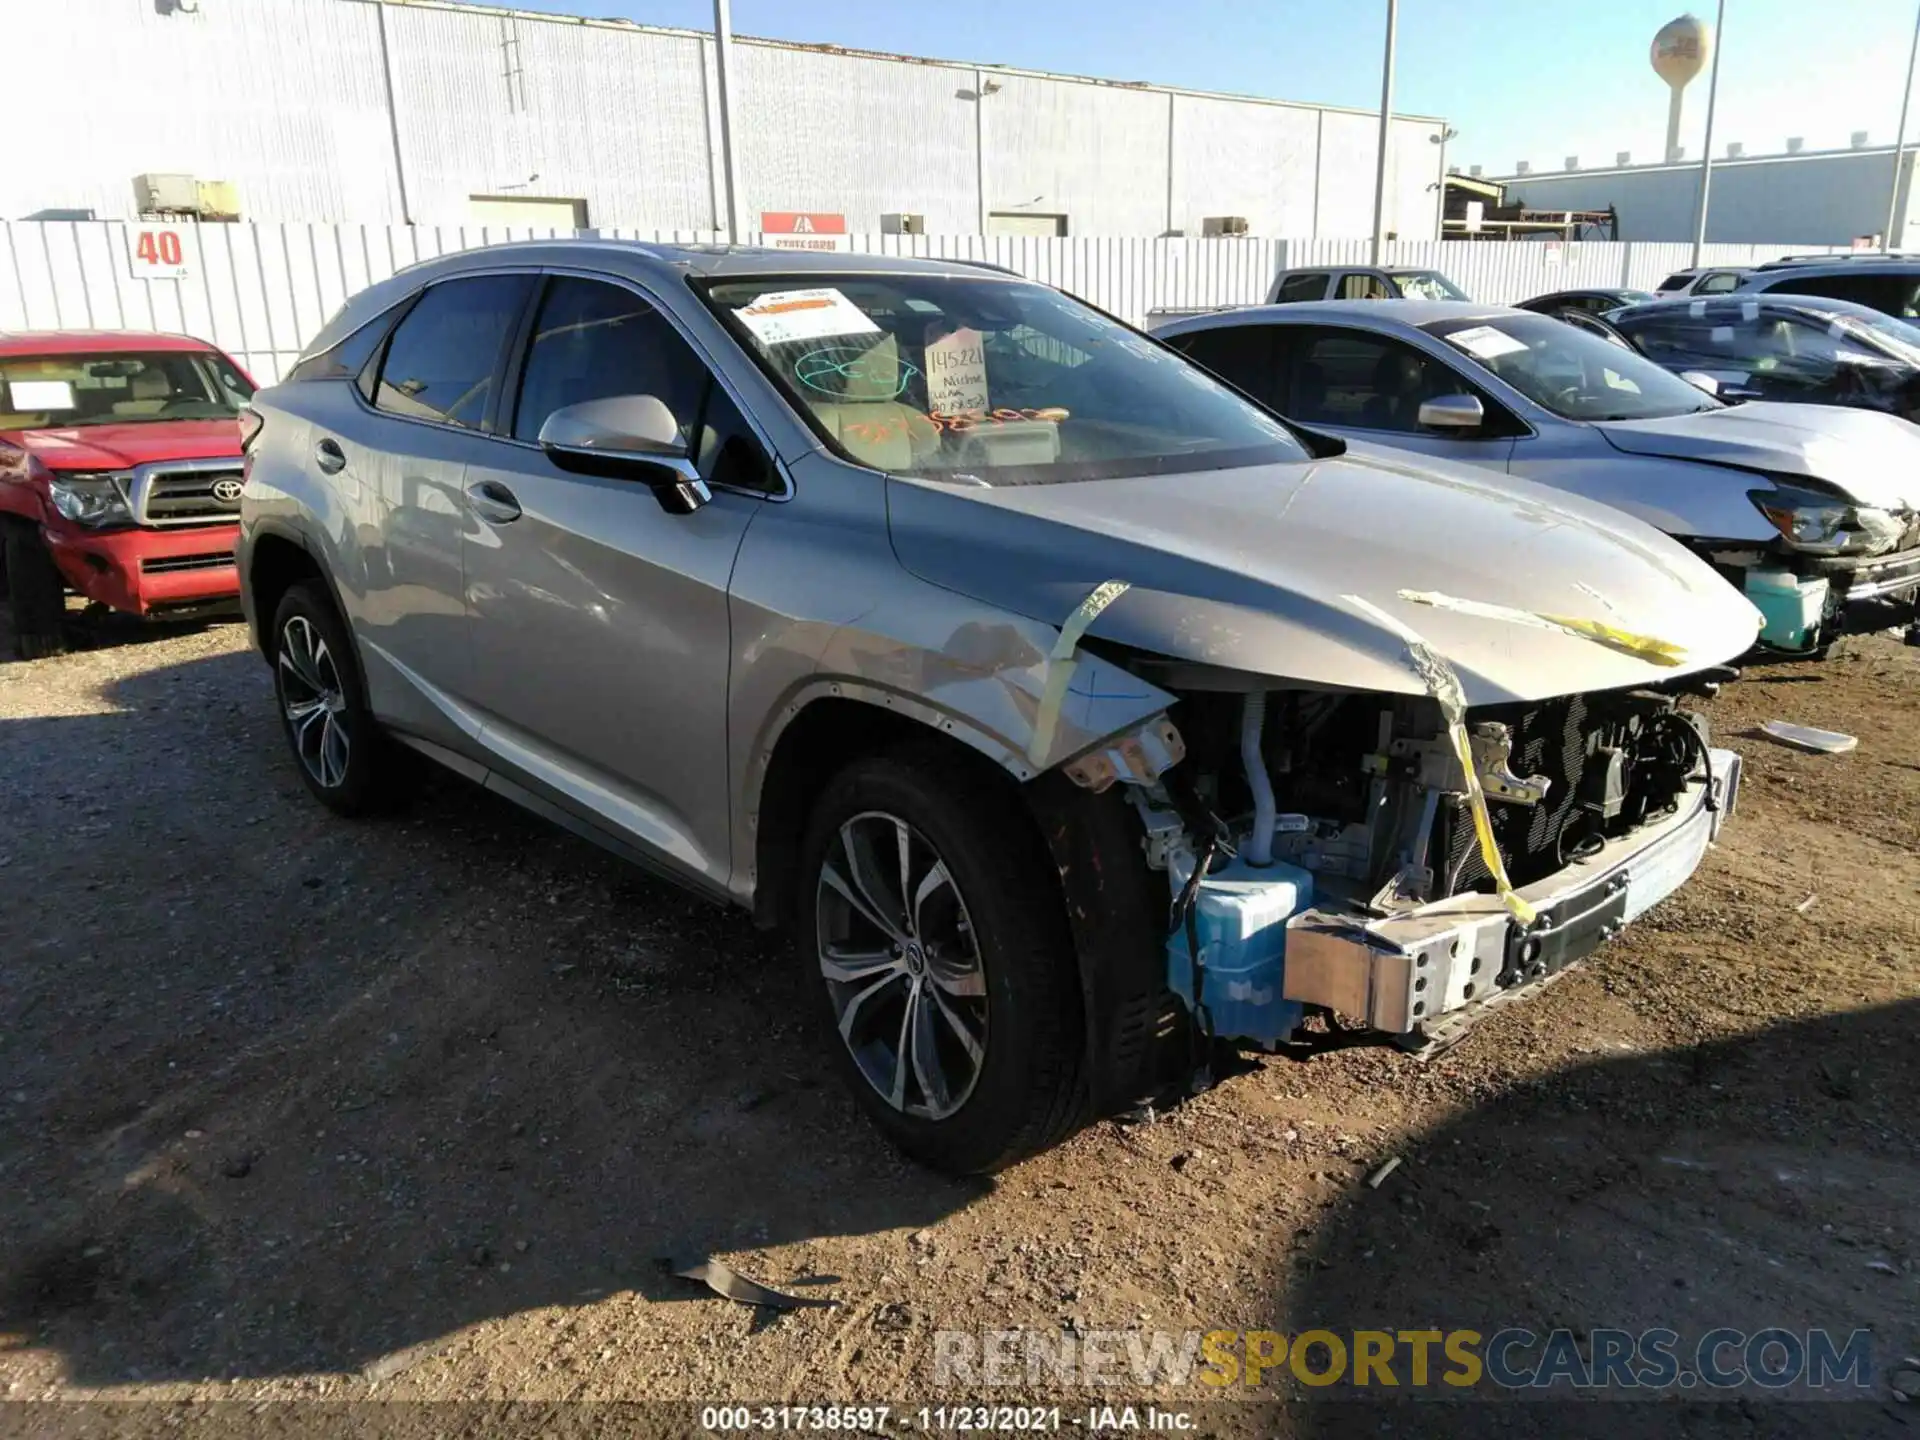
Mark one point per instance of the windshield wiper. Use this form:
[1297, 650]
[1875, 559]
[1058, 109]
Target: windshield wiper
[1631, 415]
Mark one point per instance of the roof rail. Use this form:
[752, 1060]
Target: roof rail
[1842, 257]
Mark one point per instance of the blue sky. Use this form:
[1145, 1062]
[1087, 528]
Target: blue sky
[1533, 79]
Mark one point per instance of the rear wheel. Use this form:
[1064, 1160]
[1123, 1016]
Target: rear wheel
[344, 758]
[37, 594]
[936, 941]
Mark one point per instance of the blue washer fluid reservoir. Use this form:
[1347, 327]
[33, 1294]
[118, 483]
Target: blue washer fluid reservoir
[1241, 918]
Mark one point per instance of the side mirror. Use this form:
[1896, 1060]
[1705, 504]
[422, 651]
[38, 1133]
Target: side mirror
[1453, 412]
[627, 437]
[1701, 381]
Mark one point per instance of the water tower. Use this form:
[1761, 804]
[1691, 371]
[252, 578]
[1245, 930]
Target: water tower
[1680, 52]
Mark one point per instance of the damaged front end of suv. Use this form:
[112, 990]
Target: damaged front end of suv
[1314, 866]
[1349, 809]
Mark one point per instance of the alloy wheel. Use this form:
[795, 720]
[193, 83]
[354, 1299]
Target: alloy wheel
[315, 702]
[902, 965]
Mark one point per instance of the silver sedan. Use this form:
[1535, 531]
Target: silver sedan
[1806, 507]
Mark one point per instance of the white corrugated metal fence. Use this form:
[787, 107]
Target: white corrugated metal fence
[260, 291]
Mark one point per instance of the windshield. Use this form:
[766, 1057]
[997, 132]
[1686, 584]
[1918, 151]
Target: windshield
[1899, 336]
[39, 392]
[987, 381]
[1426, 285]
[1572, 372]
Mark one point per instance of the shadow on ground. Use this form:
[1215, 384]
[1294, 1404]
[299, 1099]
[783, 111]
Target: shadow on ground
[94, 627]
[1765, 1181]
[290, 1093]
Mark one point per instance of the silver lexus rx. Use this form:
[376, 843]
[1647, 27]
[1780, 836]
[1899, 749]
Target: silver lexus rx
[1078, 716]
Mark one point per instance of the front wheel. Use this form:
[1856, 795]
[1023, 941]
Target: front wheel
[36, 594]
[342, 754]
[935, 938]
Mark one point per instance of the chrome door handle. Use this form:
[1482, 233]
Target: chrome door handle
[493, 502]
[328, 455]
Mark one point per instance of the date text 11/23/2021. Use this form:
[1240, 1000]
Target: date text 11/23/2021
[944, 1419]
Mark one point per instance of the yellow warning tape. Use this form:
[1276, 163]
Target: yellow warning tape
[1644, 647]
[1444, 685]
[1060, 665]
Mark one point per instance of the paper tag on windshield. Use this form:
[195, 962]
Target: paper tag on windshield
[1483, 342]
[957, 374]
[785, 315]
[41, 395]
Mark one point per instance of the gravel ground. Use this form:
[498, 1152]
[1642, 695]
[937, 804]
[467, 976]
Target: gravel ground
[296, 1108]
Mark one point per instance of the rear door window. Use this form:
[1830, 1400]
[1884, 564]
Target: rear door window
[1718, 283]
[1241, 355]
[444, 358]
[1359, 285]
[1311, 286]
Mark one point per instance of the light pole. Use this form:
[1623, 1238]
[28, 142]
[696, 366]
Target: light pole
[1706, 159]
[1447, 132]
[1900, 143]
[723, 67]
[1386, 119]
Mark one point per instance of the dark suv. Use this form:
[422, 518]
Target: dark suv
[1887, 283]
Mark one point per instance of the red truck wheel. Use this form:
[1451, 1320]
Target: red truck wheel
[37, 594]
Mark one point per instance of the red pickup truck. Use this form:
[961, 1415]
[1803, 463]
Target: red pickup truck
[120, 476]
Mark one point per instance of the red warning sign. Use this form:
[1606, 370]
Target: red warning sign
[803, 230]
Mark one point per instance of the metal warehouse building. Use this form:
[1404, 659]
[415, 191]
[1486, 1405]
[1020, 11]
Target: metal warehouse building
[1826, 197]
[415, 111]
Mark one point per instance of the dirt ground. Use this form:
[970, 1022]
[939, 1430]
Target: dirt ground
[297, 1109]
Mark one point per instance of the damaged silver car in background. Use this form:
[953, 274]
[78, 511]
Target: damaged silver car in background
[1813, 510]
[1083, 721]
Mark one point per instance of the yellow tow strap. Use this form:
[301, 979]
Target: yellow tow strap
[1644, 647]
[1060, 665]
[1444, 685]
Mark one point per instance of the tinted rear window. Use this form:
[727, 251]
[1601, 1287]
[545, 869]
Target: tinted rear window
[1890, 293]
[346, 360]
[441, 362]
[1241, 355]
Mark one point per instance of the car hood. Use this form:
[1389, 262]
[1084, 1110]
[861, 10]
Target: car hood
[120, 447]
[1258, 569]
[1871, 457]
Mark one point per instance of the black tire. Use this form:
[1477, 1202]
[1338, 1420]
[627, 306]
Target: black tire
[343, 756]
[37, 595]
[1028, 1091]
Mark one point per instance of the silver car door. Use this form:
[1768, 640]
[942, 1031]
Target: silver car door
[1369, 386]
[435, 390]
[600, 619]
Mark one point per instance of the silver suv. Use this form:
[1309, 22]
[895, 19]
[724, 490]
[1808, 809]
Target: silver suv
[1079, 716]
